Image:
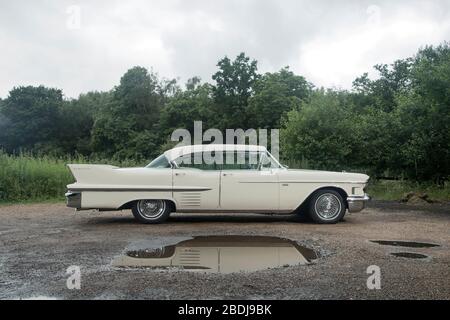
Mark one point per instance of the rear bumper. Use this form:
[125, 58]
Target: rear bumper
[73, 199]
[357, 203]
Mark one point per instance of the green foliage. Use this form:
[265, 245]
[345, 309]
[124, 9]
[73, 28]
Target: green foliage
[319, 130]
[234, 86]
[29, 118]
[128, 126]
[276, 94]
[194, 104]
[396, 125]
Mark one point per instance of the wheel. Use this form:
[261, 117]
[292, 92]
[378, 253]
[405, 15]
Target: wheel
[151, 211]
[326, 206]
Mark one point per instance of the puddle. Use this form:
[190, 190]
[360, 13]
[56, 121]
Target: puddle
[409, 255]
[220, 254]
[408, 244]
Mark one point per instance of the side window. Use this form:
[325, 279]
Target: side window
[241, 160]
[198, 160]
[267, 162]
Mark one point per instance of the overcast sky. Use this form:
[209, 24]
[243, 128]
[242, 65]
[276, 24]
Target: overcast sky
[87, 45]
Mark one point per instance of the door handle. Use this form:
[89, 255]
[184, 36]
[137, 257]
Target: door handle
[180, 174]
[227, 174]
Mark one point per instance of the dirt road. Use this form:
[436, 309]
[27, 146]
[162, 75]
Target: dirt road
[39, 242]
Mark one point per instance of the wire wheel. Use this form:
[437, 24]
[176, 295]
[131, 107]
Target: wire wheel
[328, 206]
[151, 209]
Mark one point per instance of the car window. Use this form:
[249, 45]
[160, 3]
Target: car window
[268, 162]
[198, 160]
[160, 162]
[241, 160]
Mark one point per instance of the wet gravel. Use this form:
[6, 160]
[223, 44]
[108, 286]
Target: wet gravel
[39, 242]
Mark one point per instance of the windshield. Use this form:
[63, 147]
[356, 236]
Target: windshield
[160, 162]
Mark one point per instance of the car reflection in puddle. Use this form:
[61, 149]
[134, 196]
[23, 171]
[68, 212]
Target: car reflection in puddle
[220, 254]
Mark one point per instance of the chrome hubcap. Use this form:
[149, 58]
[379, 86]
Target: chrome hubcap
[151, 209]
[328, 206]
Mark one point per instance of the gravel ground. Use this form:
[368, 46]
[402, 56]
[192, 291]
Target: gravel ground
[39, 242]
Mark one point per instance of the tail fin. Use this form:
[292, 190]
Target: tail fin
[87, 172]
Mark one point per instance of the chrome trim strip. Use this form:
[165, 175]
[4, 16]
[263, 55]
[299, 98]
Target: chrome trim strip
[140, 189]
[287, 181]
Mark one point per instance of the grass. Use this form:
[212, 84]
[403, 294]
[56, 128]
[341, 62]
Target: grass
[26, 178]
[395, 189]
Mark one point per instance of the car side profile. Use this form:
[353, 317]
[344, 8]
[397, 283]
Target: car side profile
[216, 178]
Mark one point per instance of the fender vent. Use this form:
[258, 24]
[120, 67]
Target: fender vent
[190, 199]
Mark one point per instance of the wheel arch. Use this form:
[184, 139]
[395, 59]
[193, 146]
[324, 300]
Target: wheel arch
[129, 204]
[338, 189]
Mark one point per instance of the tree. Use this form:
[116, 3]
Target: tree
[30, 118]
[275, 94]
[77, 120]
[194, 104]
[425, 114]
[320, 131]
[393, 80]
[234, 86]
[128, 126]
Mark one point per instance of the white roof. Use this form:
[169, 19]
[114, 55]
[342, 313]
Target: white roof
[174, 153]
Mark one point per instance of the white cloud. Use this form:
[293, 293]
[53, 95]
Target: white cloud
[330, 43]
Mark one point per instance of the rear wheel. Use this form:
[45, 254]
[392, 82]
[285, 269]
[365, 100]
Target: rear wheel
[326, 206]
[151, 211]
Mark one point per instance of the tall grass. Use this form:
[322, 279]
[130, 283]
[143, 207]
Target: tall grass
[26, 177]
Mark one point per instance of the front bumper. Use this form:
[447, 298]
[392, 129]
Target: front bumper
[73, 199]
[357, 203]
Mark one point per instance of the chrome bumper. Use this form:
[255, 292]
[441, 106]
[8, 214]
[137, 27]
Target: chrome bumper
[357, 203]
[73, 199]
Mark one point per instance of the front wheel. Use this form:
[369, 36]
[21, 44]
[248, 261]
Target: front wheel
[326, 206]
[151, 211]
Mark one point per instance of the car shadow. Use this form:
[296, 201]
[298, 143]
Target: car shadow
[203, 218]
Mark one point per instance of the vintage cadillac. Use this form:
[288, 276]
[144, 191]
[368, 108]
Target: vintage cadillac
[216, 178]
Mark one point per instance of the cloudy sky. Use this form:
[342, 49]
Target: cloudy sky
[87, 45]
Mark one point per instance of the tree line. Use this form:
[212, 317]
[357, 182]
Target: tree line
[395, 125]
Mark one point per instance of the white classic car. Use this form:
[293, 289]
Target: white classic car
[216, 178]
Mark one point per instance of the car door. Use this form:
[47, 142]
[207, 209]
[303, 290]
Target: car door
[248, 187]
[195, 185]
